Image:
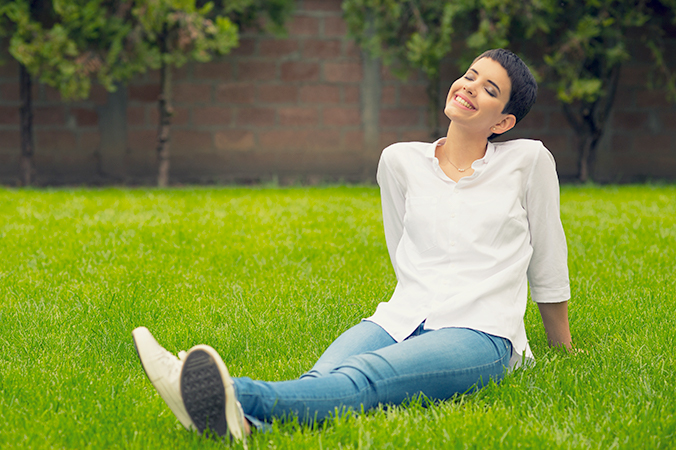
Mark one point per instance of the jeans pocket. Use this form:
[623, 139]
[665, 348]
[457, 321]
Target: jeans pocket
[508, 346]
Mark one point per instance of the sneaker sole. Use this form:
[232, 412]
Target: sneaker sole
[208, 393]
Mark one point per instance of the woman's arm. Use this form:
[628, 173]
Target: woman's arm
[393, 200]
[548, 269]
[555, 319]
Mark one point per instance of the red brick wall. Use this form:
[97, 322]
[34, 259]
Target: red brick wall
[293, 109]
[289, 108]
[66, 135]
[640, 140]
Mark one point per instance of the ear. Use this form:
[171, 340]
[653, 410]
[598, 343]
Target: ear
[506, 124]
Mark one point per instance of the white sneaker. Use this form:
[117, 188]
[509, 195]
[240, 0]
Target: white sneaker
[163, 370]
[209, 394]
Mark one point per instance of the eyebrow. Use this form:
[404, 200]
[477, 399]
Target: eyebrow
[491, 82]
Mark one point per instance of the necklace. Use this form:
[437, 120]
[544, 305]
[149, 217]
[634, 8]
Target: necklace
[451, 163]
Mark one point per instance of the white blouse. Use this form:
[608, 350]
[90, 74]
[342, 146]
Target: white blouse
[464, 253]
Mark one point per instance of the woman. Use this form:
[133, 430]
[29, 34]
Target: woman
[469, 224]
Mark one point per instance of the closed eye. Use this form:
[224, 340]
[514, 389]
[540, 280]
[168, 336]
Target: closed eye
[488, 90]
[489, 81]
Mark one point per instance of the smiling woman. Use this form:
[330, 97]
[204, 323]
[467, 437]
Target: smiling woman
[469, 224]
[490, 99]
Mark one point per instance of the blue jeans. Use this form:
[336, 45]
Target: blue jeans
[365, 367]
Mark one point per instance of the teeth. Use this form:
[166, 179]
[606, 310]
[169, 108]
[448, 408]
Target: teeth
[463, 102]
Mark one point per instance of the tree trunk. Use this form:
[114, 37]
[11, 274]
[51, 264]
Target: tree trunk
[589, 122]
[585, 165]
[433, 107]
[166, 111]
[589, 132]
[590, 127]
[26, 126]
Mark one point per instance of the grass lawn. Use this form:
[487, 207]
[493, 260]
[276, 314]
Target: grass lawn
[269, 277]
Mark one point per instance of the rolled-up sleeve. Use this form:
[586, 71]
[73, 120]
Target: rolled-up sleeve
[393, 201]
[548, 268]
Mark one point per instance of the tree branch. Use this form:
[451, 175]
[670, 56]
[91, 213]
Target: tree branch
[422, 27]
[612, 90]
[570, 116]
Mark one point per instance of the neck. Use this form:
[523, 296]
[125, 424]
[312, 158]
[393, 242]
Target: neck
[462, 147]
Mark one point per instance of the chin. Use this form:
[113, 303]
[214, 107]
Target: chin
[449, 113]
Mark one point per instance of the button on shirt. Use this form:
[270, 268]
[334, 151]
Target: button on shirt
[465, 252]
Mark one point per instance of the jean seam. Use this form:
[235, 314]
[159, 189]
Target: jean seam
[456, 371]
[311, 399]
[442, 372]
[374, 384]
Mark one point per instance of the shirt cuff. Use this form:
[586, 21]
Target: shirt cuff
[548, 295]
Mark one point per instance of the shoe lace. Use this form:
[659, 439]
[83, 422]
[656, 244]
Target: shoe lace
[173, 364]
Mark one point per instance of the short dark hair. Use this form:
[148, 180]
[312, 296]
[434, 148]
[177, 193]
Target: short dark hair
[524, 87]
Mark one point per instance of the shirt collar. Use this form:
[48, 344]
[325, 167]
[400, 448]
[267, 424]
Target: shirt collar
[431, 150]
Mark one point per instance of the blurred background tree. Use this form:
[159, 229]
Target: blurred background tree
[260, 15]
[418, 34]
[577, 47]
[169, 33]
[65, 44]
[583, 53]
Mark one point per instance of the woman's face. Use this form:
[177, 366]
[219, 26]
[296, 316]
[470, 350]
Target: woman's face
[476, 100]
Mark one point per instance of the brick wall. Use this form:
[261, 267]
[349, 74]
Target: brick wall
[640, 140]
[273, 107]
[305, 108]
[66, 135]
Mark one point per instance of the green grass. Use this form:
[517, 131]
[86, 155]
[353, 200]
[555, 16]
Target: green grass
[269, 277]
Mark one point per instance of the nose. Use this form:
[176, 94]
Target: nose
[468, 88]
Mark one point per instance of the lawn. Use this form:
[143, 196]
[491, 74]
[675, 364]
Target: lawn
[270, 276]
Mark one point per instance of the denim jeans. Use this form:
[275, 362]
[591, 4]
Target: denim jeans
[365, 367]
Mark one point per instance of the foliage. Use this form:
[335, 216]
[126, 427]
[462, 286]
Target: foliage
[169, 33]
[177, 31]
[587, 41]
[578, 42]
[269, 15]
[66, 43]
[584, 52]
[418, 34]
[174, 32]
[578, 47]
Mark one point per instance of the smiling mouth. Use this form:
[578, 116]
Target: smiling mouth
[463, 102]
